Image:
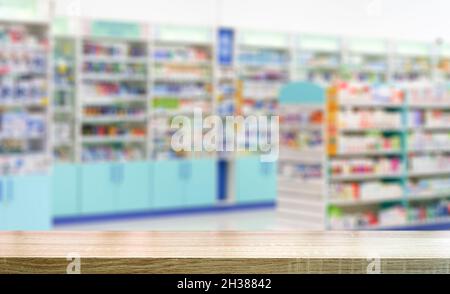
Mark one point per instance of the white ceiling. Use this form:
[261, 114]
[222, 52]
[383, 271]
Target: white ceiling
[405, 19]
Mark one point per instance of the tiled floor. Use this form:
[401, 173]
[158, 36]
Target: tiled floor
[253, 220]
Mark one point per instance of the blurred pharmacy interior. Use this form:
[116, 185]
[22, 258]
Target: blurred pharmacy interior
[90, 89]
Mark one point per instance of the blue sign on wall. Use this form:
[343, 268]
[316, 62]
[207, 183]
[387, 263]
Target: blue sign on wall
[226, 46]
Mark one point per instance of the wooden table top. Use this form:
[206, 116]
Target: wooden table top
[225, 252]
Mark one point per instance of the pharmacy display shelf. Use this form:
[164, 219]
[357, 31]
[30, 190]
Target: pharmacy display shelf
[429, 196]
[317, 58]
[244, 83]
[112, 92]
[430, 106]
[365, 202]
[369, 153]
[366, 59]
[182, 83]
[25, 64]
[413, 61]
[397, 207]
[25, 114]
[263, 66]
[430, 150]
[414, 187]
[371, 105]
[184, 69]
[301, 172]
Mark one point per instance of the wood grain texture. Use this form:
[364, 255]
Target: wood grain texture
[226, 252]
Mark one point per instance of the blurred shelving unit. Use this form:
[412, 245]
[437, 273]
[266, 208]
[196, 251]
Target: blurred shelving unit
[301, 165]
[386, 160]
[182, 83]
[443, 62]
[428, 141]
[263, 66]
[366, 155]
[114, 118]
[225, 106]
[103, 77]
[412, 61]
[65, 43]
[119, 85]
[64, 191]
[366, 60]
[317, 58]
[113, 92]
[25, 148]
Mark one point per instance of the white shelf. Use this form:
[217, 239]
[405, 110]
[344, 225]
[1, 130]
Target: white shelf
[429, 150]
[63, 144]
[133, 58]
[318, 215]
[372, 129]
[205, 96]
[193, 77]
[19, 62]
[113, 100]
[259, 97]
[114, 77]
[166, 79]
[27, 48]
[429, 128]
[307, 157]
[367, 201]
[24, 73]
[169, 112]
[330, 67]
[303, 202]
[368, 153]
[115, 59]
[187, 63]
[24, 104]
[265, 66]
[65, 88]
[436, 221]
[299, 192]
[370, 105]
[365, 177]
[417, 174]
[428, 196]
[62, 110]
[430, 106]
[114, 118]
[293, 127]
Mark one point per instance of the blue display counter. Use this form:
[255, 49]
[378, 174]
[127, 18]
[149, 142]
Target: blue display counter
[25, 202]
[116, 188]
[66, 190]
[256, 181]
[107, 190]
